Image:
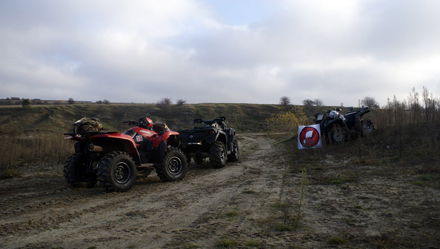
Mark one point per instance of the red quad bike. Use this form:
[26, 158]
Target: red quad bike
[115, 160]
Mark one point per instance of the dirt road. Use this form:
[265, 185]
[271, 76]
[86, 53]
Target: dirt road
[252, 203]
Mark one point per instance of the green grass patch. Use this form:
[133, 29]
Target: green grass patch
[279, 205]
[181, 244]
[284, 227]
[231, 213]
[254, 243]
[226, 242]
[343, 179]
[10, 173]
[336, 240]
[248, 191]
[364, 162]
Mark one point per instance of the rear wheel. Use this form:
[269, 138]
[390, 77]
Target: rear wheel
[337, 134]
[116, 172]
[217, 155]
[75, 172]
[234, 156]
[173, 167]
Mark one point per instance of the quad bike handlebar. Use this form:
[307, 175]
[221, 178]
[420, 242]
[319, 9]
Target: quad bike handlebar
[216, 120]
[130, 122]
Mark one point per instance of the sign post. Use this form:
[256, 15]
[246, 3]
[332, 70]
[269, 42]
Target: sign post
[309, 137]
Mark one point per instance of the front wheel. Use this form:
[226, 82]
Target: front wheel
[234, 156]
[116, 172]
[368, 128]
[337, 134]
[173, 167]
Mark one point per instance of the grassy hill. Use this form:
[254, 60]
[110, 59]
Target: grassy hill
[59, 118]
[242, 117]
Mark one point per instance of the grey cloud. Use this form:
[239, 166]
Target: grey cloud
[144, 51]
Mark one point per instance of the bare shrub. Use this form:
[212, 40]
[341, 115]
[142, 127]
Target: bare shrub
[180, 102]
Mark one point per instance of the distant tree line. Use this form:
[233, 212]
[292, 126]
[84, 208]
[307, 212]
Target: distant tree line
[417, 108]
[421, 107]
[28, 102]
[285, 102]
[367, 101]
[165, 104]
[315, 102]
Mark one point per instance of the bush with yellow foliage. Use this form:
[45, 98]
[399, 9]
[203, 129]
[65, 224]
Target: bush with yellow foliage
[287, 121]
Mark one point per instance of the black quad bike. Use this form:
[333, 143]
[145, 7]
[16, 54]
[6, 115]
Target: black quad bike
[210, 139]
[115, 160]
[339, 127]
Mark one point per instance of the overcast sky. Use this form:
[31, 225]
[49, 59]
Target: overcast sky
[219, 51]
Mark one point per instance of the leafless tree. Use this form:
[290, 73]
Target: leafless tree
[284, 101]
[164, 104]
[308, 102]
[318, 102]
[370, 102]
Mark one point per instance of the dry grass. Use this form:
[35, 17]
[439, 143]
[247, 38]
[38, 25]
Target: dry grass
[41, 148]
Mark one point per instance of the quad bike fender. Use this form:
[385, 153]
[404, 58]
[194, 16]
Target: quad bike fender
[158, 153]
[361, 113]
[216, 136]
[170, 138]
[213, 136]
[109, 142]
[221, 136]
[332, 122]
[230, 133]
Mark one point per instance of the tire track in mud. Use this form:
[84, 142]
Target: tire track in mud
[238, 210]
[202, 208]
[240, 201]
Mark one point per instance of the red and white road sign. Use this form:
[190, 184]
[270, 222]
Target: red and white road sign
[309, 137]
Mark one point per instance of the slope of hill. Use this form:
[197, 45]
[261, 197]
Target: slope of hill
[243, 117]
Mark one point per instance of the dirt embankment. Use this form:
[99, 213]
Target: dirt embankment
[252, 203]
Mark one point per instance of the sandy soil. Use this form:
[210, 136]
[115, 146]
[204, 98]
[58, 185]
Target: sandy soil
[253, 203]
